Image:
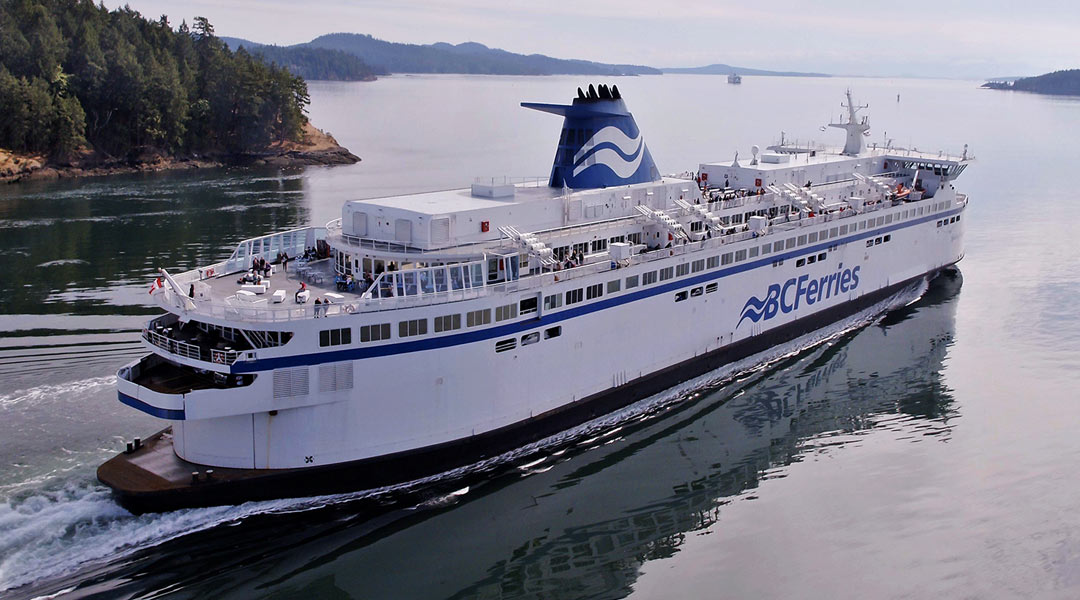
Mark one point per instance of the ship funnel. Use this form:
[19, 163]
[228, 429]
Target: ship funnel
[600, 144]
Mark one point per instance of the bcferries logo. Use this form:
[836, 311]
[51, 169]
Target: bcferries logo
[786, 297]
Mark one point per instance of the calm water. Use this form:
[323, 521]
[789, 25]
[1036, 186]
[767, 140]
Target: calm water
[932, 453]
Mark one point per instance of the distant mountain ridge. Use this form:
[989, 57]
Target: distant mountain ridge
[722, 69]
[468, 58]
[1061, 83]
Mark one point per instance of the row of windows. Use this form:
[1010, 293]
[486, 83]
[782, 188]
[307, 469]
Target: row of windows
[695, 292]
[447, 323]
[335, 337]
[374, 333]
[412, 327]
[878, 240]
[948, 221]
[476, 318]
[527, 339]
[508, 311]
[809, 260]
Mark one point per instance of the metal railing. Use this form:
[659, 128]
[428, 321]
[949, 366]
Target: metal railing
[373, 300]
[191, 351]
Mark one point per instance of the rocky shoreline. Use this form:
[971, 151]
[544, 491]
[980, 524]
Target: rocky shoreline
[316, 148]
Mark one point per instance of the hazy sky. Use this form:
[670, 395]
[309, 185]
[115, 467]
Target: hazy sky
[943, 38]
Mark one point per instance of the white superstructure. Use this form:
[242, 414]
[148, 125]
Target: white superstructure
[474, 317]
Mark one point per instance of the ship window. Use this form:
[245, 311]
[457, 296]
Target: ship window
[697, 292]
[888, 219]
[447, 323]
[631, 281]
[957, 218]
[552, 332]
[530, 338]
[667, 273]
[614, 285]
[869, 243]
[553, 301]
[801, 262]
[599, 245]
[504, 345]
[802, 240]
[877, 241]
[832, 232]
[712, 287]
[682, 269]
[574, 296]
[766, 249]
[679, 297]
[412, 327]
[880, 221]
[508, 311]
[821, 256]
[790, 243]
[594, 291]
[939, 223]
[726, 259]
[740, 255]
[634, 238]
[712, 262]
[811, 259]
[375, 333]
[753, 251]
[618, 239]
[582, 248]
[335, 337]
[843, 229]
[812, 237]
[527, 305]
[778, 247]
[476, 318]
[888, 238]
[698, 265]
[648, 278]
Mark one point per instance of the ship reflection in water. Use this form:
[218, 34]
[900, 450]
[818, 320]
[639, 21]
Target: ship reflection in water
[584, 521]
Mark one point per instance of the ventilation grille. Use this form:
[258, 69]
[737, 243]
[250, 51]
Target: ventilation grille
[336, 377]
[291, 382]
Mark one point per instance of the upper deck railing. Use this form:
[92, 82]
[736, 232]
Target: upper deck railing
[463, 281]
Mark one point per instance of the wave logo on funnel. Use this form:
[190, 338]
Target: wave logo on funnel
[613, 149]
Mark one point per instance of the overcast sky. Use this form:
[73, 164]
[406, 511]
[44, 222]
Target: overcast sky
[942, 38]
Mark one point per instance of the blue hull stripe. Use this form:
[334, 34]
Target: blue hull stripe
[161, 413]
[509, 329]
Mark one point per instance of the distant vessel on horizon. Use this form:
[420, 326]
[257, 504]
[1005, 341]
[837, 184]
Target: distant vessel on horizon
[435, 330]
[734, 78]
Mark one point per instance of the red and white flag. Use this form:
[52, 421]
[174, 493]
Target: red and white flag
[157, 285]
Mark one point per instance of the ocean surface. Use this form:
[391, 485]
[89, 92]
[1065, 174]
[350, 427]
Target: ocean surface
[932, 452]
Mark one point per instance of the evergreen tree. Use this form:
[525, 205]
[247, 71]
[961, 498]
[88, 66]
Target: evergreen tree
[74, 73]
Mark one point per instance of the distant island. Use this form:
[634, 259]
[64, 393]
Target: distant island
[1064, 83]
[466, 58]
[360, 57]
[722, 69]
[310, 62]
[85, 90]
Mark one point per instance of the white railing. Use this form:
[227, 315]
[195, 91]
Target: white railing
[465, 281]
[191, 351]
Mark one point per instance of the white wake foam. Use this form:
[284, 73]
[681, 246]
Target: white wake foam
[46, 391]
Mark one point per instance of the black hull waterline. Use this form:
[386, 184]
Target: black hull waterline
[234, 486]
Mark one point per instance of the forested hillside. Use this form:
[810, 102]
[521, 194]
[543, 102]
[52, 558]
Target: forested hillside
[74, 75]
[318, 63]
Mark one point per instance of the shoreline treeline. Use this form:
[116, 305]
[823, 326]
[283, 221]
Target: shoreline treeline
[75, 75]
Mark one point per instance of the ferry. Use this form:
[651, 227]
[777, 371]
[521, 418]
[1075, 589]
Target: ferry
[734, 78]
[422, 333]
